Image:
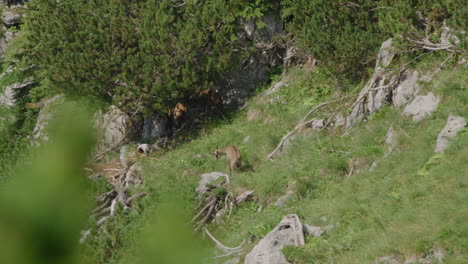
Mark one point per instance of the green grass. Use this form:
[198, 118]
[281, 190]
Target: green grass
[395, 209]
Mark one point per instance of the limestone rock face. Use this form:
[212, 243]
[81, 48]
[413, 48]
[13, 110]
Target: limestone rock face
[7, 98]
[9, 35]
[454, 125]
[422, 106]
[12, 16]
[407, 89]
[376, 91]
[46, 114]
[154, 127]
[235, 86]
[113, 127]
[289, 232]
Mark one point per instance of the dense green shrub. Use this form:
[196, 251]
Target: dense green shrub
[347, 34]
[156, 51]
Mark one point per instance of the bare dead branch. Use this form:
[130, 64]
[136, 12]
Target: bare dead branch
[301, 124]
[133, 197]
[207, 216]
[222, 247]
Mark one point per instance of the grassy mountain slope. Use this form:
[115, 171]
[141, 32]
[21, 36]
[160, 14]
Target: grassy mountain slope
[411, 203]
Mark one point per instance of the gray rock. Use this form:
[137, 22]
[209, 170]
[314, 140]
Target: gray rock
[209, 178]
[281, 201]
[144, 149]
[9, 35]
[386, 54]
[340, 121]
[7, 98]
[454, 125]
[12, 16]
[407, 88]
[154, 127]
[315, 231]
[289, 232]
[376, 92]
[246, 139]
[317, 124]
[46, 114]
[113, 127]
[422, 106]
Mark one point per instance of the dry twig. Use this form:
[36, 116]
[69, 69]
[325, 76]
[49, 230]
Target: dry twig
[301, 124]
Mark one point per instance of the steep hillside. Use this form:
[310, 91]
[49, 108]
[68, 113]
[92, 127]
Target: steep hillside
[350, 118]
[380, 199]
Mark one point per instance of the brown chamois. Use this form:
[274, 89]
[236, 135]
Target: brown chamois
[210, 96]
[33, 105]
[233, 157]
[176, 114]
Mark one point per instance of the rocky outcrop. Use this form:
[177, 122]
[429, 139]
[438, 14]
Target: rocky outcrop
[8, 96]
[46, 114]
[289, 232]
[12, 16]
[376, 91]
[113, 127]
[407, 88]
[391, 87]
[243, 79]
[422, 106]
[6, 40]
[154, 127]
[454, 125]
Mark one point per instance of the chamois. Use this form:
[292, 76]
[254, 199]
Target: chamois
[176, 114]
[210, 96]
[233, 157]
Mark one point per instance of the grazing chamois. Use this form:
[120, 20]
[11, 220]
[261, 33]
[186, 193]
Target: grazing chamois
[233, 157]
[33, 105]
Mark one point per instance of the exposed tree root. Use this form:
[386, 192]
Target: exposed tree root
[216, 201]
[228, 251]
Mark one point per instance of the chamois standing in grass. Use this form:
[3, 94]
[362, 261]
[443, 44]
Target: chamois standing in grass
[233, 157]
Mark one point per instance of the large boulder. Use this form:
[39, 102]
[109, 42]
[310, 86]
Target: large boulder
[422, 106]
[454, 125]
[289, 232]
[113, 126]
[207, 179]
